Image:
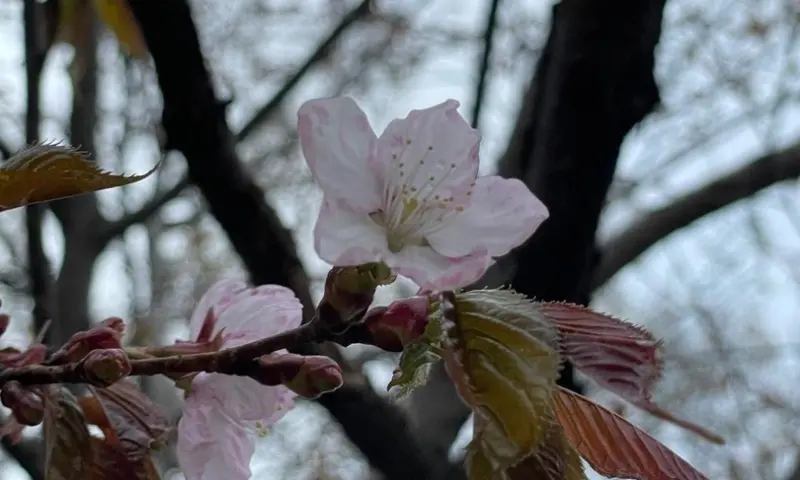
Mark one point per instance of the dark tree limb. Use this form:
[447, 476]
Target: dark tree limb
[80, 216]
[113, 229]
[593, 83]
[38, 265]
[194, 122]
[654, 226]
[486, 57]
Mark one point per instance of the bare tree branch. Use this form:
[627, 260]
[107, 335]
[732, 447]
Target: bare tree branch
[113, 229]
[79, 216]
[264, 112]
[762, 173]
[484, 66]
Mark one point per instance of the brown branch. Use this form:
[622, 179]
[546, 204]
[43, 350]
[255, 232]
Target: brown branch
[231, 361]
[113, 229]
[322, 50]
[762, 173]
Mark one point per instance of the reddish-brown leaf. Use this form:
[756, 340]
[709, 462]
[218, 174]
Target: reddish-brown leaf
[137, 422]
[618, 355]
[68, 449]
[95, 415]
[613, 446]
[42, 173]
[113, 462]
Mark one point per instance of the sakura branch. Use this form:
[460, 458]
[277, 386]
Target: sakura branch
[409, 203]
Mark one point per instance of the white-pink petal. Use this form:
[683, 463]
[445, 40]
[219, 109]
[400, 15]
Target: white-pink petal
[433, 143]
[242, 399]
[210, 447]
[502, 215]
[433, 271]
[340, 147]
[346, 238]
[259, 312]
[218, 297]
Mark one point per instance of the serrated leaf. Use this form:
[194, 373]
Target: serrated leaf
[113, 461]
[619, 356]
[418, 358]
[42, 173]
[614, 447]
[503, 360]
[136, 422]
[68, 449]
[413, 369]
[117, 16]
[556, 459]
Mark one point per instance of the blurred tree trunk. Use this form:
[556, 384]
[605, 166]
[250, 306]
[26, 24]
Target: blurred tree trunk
[592, 84]
[79, 216]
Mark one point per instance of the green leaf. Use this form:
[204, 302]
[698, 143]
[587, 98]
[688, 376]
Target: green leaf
[68, 448]
[556, 459]
[47, 172]
[418, 358]
[502, 355]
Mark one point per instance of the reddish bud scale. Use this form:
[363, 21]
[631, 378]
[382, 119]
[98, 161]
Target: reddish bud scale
[348, 294]
[26, 406]
[309, 376]
[105, 335]
[399, 324]
[106, 367]
[12, 358]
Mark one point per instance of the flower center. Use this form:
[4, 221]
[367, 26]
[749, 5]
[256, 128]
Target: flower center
[417, 197]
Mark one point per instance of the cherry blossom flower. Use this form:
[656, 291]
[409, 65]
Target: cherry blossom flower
[223, 414]
[411, 198]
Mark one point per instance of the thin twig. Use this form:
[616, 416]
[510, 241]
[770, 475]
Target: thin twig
[357, 13]
[483, 69]
[117, 227]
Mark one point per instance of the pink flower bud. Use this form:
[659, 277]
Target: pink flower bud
[348, 294]
[106, 367]
[12, 358]
[106, 334]
[399, 324]
[26, 405]
[308, 376]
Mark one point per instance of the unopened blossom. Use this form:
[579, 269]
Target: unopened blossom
[224, 415]
[411, 198]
